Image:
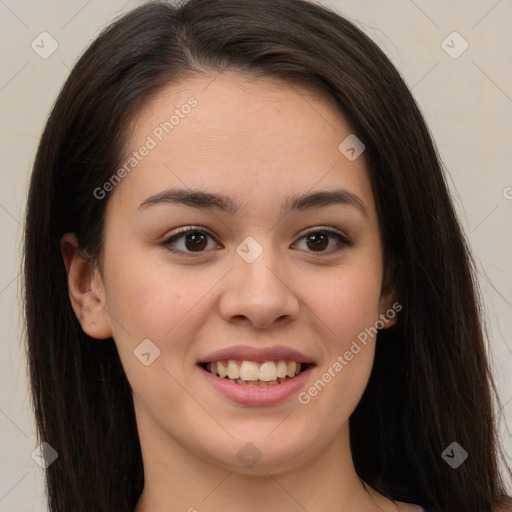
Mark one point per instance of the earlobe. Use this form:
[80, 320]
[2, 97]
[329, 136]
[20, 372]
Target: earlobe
[85, 289]
[389, 315]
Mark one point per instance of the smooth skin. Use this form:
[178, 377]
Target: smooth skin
[257, 141]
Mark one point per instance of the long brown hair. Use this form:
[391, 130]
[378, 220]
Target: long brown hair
[431, 382]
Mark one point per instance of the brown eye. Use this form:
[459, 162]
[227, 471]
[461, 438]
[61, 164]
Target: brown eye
[318, 240]
[192, 240]
[196, 241]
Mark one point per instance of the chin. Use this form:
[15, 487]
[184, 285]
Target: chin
[259, 453]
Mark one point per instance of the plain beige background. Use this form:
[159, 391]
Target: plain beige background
[467, 102]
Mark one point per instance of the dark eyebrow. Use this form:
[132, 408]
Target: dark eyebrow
[208, 200]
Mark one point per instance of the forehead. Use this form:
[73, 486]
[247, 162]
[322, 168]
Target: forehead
[237, 109]
[246, 138]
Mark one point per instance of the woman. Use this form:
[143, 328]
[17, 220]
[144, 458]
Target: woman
[246, 286]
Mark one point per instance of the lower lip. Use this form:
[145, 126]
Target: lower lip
[256, 395]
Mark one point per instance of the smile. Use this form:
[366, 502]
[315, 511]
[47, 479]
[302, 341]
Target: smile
[251, 373]
[247, 387]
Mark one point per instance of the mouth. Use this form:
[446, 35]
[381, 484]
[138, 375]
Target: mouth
[252, 373]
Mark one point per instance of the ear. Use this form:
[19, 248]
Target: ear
[85, 288]
[389, 304]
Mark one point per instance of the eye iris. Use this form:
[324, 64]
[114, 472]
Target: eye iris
[320, 240]
[198, 241]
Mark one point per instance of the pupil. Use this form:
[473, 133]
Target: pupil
[197, 240]
[319, 241]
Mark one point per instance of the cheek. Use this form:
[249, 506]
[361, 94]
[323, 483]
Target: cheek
[146, 300]
[343, 376]
[153, 312]
[150, 297]
[349, 303]
[350, 310]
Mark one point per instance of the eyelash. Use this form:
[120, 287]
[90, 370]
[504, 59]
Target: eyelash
[343, 240]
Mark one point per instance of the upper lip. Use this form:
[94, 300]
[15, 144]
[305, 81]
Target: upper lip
[258, 355]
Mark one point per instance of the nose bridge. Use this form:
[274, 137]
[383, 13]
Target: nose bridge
[258, 288]
[259, 266]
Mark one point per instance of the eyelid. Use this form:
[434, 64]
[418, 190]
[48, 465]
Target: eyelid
[179, 233]
[328, 229]
[188, 229]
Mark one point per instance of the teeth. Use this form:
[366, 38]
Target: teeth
[259, 382]
[221, 370]
[249, 371]
[268, 371]
[282, 368]
[233, 370]
[252, 373]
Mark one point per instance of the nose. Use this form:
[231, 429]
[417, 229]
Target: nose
[260, 292]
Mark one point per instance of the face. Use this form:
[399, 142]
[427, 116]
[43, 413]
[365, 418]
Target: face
[263, 276]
